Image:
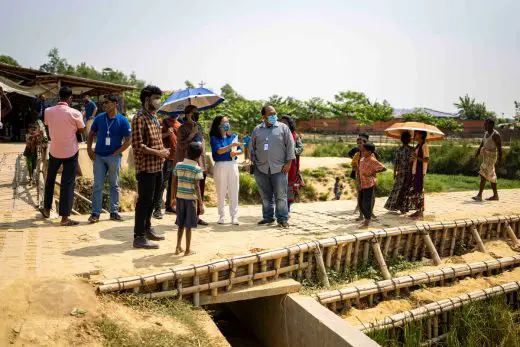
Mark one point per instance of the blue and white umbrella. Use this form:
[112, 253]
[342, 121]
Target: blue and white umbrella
[203, 98]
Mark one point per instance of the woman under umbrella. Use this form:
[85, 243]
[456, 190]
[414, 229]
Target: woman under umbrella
[402, 176]
[293, 176]
[224, 148]
[419, 159]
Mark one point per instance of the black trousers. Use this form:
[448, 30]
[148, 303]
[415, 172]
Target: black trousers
[148, 187]
[68, 182]
[165, 184]
[366, 206]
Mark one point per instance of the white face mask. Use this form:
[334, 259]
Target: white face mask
[156, 104]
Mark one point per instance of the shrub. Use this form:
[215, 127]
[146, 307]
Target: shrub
[512, 161]
[249, 193]
[128, 179]
[331, 150]
[385, 183]
[308, 192]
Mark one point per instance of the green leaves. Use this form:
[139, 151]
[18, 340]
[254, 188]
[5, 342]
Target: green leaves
[357, 105]
[471, 110]
[445, 124]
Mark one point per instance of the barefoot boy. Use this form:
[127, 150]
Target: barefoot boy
[368, 168]
[186, 191]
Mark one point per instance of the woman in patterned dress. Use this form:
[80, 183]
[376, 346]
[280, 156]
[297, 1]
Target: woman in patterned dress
[402, 176]
[419, 158]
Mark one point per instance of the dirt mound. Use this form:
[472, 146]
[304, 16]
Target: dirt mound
[38, 312]
[66, 312]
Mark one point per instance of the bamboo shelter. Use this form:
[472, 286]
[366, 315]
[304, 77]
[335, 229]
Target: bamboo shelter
[340, 253]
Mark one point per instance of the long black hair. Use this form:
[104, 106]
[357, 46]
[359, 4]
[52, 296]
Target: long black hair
[215, 127]
[290, 122]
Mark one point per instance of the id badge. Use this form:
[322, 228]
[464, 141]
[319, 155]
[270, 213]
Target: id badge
[107, 141]
[266, 146]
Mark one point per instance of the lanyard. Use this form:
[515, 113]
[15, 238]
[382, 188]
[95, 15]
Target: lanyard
[108, 126]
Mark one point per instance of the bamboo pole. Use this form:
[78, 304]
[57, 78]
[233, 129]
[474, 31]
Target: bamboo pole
[443, 242]
[308, 272]
[356, 253]
[263, 268]
[453, 241]
[376, 248]
[348, 257]
[431, 249]
[250, 268]
[511, 234]
[320, 268]
[397, 245]
[339, 255]
[478, 240]
[231, 276]
[277, 263]
[291, 262]
[417, 242]
[328, 256]
[196, 295]
[366, 249]
[387, 245]
[407, 247]
[300, 266]
[214, 278]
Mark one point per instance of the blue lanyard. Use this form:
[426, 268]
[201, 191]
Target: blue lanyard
[108, 126]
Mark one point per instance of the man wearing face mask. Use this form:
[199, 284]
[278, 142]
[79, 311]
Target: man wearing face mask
[113, 137]
[191, 131]
[149, 155]
[272, 151]
[170, 129]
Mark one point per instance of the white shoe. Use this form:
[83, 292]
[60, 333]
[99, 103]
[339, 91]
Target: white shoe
[235, 221]
[221, 220]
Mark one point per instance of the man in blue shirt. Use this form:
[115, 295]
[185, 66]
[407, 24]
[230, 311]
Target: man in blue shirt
[90, 112]
[246, 141]
[113, 136]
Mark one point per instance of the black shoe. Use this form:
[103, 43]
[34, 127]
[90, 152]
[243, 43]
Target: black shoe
[170, 210]
[157, 214]
[94, 218]
[284, 225]
[201, 222]
[116, 217]
[142, 242]
[265, 222]
[151, 235]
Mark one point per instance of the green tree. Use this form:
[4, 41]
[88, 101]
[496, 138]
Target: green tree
[352, 104]
[8, 60]
[188, 84]
[444, 124]
[469, 109]
[57, 64]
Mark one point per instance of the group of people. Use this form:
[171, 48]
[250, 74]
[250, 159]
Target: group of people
[169, 154]
[410, 168]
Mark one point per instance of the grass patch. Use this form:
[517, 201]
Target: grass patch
[128, 179]
[437, 183]
[331, 150]
[487, 323]
[248, 193]
[117, 335]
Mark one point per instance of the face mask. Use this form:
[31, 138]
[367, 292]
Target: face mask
[196, 117]
[156, 104]
[226, 126]
[272, 118]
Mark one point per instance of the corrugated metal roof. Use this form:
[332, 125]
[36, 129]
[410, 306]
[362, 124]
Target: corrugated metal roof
[399, 112]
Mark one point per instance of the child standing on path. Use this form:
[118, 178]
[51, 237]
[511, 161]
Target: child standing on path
[338, 188]
[369, 166]
[31, 149]
[187, 194]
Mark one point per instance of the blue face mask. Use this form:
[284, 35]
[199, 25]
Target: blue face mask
[226, 126]
[272, 118]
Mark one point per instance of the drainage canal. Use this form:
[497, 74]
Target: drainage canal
[235, 332]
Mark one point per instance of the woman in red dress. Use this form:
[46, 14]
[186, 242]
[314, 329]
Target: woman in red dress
[293, 176]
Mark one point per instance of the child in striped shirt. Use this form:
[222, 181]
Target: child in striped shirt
[186, 191]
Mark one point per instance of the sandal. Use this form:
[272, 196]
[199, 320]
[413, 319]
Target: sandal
[477, 198]
[69, 223]
[45, 213]
[493, 198]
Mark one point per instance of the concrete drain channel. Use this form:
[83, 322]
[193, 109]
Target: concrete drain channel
[261, 290]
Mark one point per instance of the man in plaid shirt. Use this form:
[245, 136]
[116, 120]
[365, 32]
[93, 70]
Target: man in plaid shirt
[149, 155]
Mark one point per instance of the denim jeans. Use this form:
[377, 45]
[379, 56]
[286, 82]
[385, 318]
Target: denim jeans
[166, 184]
[273, 190]
[103, 167]
[68, 181]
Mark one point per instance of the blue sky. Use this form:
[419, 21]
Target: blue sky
[409, 52]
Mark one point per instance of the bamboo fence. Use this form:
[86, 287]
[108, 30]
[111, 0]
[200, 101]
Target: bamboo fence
[341, 254]
[369, 295]
[435, 318]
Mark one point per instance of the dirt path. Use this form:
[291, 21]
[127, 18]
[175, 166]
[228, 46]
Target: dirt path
[31, 246]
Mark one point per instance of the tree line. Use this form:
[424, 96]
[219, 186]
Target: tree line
[246, 113]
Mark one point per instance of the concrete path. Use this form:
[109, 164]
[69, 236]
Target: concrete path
[32, 246]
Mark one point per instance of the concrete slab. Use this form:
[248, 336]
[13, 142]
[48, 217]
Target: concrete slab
[280, 287]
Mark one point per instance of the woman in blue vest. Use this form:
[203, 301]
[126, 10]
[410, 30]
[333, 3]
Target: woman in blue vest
[225, 147]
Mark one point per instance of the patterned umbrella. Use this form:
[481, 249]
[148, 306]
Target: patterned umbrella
[203, 98]
[395, 131]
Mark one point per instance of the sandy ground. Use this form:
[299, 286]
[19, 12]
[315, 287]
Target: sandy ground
[420, 297]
